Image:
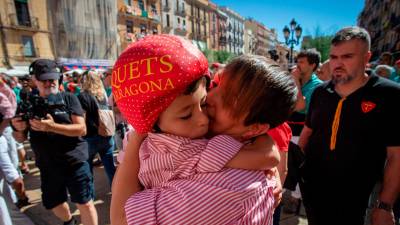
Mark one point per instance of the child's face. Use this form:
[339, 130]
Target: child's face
[186, 115]
[221, 121]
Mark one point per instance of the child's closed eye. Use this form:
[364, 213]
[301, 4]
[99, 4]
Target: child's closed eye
[186, 117]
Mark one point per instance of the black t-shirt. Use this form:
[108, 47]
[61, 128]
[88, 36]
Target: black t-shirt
[368, 125]
[54, 149]
[90, 108]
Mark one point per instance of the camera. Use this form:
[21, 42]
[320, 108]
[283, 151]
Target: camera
[37, 107]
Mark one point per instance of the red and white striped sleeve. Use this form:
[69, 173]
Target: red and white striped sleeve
[218, 152]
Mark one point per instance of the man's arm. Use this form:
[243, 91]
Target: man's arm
[126, 181]
[76, 129]
[20, 129]
[301, 101]
[390, 187]
[304, 137]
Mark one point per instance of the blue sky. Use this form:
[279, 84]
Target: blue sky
[329, 15]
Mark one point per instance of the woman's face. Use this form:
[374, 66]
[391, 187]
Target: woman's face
[221, 121]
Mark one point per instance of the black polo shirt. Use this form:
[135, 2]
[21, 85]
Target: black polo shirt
[53, 149]
[369, 123]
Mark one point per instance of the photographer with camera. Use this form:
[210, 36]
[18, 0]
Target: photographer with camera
[60, 151]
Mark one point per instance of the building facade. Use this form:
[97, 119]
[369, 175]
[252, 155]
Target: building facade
[214, 26]
[136, 19]
[199, 25]
[282, 51]
[235, 31]
[25, 34]
[250, 36]
[272, 39]
[222, 30]
[382, 20]
[174, 17]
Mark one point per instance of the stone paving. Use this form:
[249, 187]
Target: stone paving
[41, 216]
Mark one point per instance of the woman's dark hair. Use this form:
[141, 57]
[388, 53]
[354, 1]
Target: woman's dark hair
[257, 88]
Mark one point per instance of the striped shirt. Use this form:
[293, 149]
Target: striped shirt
[186, 183]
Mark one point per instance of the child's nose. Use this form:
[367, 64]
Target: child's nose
[203, 118]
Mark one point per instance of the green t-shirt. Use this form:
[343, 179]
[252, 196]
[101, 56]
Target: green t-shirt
[308, 88]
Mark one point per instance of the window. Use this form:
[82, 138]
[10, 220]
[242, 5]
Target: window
[141, 5]
[129, 26]
[29, 48]
[179, 20]
[153, 9]
[184, 24]
[183, 7]
[168, 21]
[21, 7]
[127, 2]
[177, 5]
[166, 3]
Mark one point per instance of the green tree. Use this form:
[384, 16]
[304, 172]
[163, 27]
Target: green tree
[319, 41]
[217, 56]
[223, 56]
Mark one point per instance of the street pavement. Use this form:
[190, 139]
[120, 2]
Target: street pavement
[40, 216]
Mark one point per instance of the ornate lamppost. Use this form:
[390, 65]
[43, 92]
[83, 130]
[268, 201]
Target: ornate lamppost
[295, 29]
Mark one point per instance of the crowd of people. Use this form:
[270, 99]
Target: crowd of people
[209, 146]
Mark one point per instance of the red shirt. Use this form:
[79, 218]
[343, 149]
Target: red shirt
[281, 135]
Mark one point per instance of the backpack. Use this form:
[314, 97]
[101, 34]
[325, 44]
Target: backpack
[106, 126]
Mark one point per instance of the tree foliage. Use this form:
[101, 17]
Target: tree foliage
[218, 56]
[319, 41]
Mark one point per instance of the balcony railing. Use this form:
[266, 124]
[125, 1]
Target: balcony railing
[32, 23]
[166, 8]
[180, 31]
[167, 29]
[135, 11]
[154, 16]
[180, 13]
[130, 37]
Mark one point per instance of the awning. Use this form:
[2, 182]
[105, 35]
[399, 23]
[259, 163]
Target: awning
[85, 64]
[16, 71]
[74, 67]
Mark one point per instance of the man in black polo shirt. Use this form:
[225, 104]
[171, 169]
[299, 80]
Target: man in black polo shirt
[351, 131]
[60, 151]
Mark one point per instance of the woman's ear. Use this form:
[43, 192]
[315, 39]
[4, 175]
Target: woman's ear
[255, 130]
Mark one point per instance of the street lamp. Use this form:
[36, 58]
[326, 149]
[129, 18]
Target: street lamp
[294, 29]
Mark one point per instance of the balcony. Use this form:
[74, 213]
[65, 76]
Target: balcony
[181, 31]
[29, 24]
[166, 8]
[135, 12]
[180, 12]
[166, 29]
[154, 16]
[130, 37]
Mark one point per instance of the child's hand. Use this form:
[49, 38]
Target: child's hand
[278, 188]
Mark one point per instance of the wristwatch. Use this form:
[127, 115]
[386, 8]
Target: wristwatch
[383, 205]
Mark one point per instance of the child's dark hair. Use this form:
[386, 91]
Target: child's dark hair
[189, 90]
[259, 89]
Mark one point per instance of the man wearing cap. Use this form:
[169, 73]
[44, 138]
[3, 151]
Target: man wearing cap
[60, 151]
